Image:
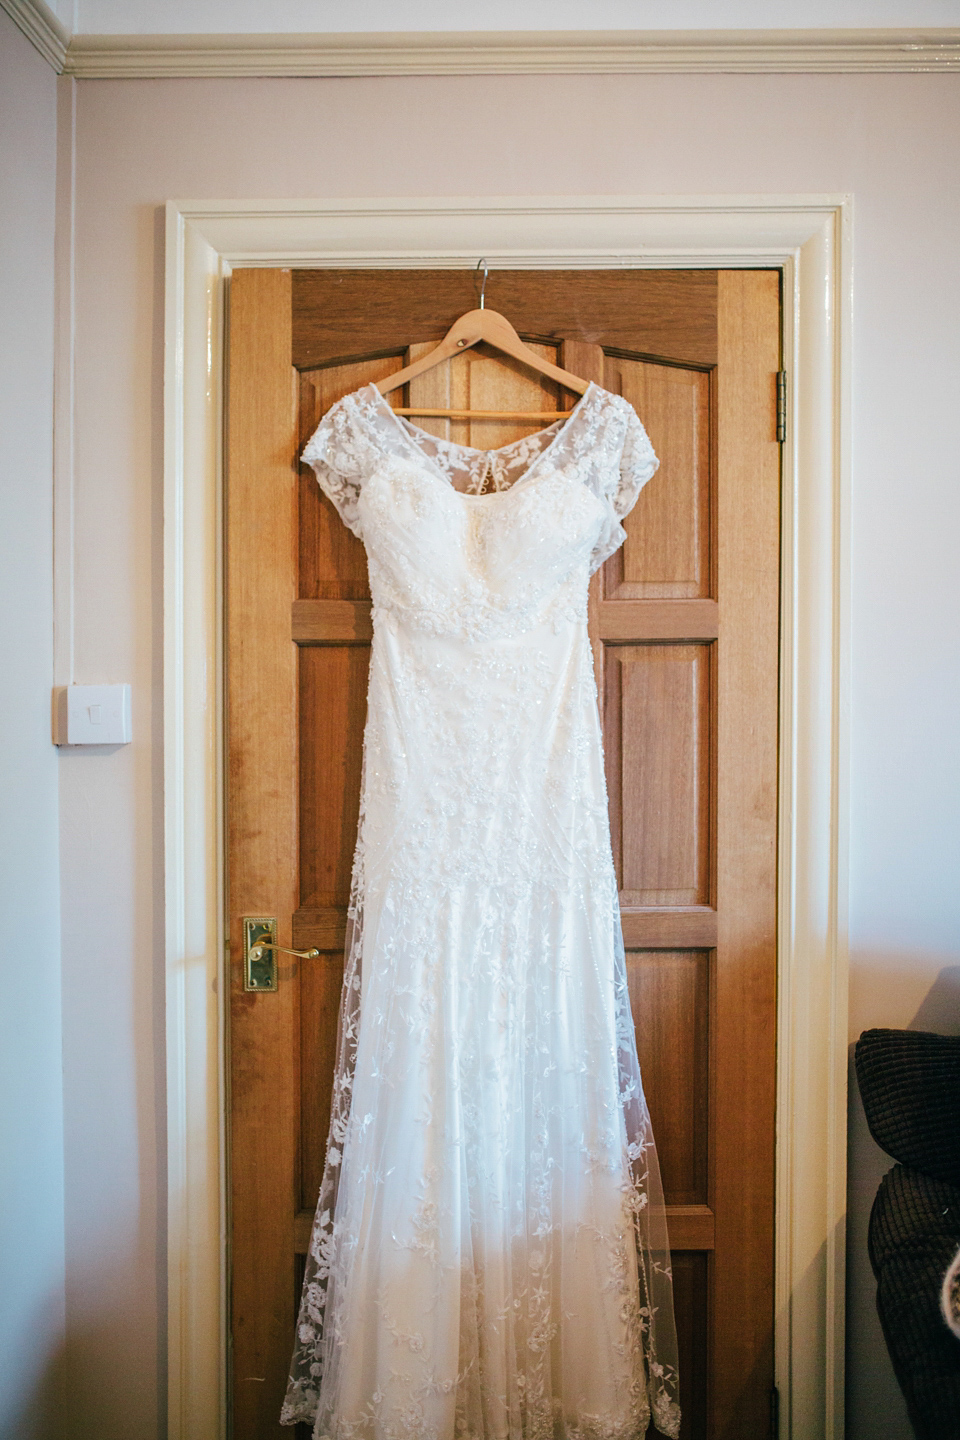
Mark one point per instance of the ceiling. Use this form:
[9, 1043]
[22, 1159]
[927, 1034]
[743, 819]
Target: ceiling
[99, 39]
[248, 17]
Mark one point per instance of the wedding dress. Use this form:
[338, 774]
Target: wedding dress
[489, 1259]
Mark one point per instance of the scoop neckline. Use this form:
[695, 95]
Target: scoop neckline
[405, 426]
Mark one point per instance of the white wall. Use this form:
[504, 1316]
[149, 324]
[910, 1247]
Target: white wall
[31, 1122]
[209, 16]
[887, 140]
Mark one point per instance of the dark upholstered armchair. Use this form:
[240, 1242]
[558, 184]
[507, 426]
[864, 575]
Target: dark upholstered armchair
[910, 1084]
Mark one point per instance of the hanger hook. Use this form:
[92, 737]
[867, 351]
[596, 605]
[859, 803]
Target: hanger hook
[486, 272]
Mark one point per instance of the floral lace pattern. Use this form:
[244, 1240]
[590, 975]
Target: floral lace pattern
[489, 1256]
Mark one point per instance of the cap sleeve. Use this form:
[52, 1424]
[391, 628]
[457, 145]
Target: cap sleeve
[638, 464]
[635, 463]
[341, 455]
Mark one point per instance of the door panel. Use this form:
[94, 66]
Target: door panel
[333, 707]
[683, 621]
[343, 314]
[669, 996]
[657, 714]
[667, 551]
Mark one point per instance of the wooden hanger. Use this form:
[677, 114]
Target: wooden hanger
[496, 330]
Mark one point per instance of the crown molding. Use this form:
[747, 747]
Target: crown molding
[511, 52]
[486, 52]
[41, 26]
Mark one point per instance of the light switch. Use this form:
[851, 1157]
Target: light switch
[92, 715]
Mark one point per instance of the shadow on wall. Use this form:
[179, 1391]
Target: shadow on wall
[875, 1406]
[85, 1390]
[940, 1010]
[39, 1415]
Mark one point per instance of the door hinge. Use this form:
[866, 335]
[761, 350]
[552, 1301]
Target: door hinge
[781, 406]
[774, 1414]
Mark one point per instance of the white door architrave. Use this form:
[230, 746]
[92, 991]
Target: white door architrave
[808, 239]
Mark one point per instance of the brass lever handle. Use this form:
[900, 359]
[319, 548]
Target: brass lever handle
[256, 951]
[260, 950]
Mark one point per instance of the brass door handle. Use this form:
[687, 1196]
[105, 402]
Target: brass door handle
[256, 951]
[259, 950]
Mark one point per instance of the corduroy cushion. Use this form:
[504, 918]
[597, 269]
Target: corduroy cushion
[914, 1233]
[910, 1084]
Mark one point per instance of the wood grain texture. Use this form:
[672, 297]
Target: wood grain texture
[332, 622]
[639, 620]
[666, 554]
[657, 701]
[333, 709]
[691, 1290]
[321, 927]
[261, 748]
[664, 313]
[669, 996]
[321, 981]
[668, 927]
[744, 1070]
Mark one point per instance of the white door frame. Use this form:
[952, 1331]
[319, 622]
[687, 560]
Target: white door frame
[808, 238]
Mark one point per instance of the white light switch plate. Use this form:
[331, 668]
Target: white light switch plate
[92, 715]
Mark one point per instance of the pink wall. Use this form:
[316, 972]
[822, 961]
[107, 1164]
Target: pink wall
[31, 1083]
[888, 140]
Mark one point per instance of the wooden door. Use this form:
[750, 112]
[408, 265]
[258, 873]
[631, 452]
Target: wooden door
[684, 621]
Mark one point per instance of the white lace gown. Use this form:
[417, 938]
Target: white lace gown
[489, 1259]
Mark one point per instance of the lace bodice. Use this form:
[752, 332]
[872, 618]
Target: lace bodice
[452, 561]
[489, 1256]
